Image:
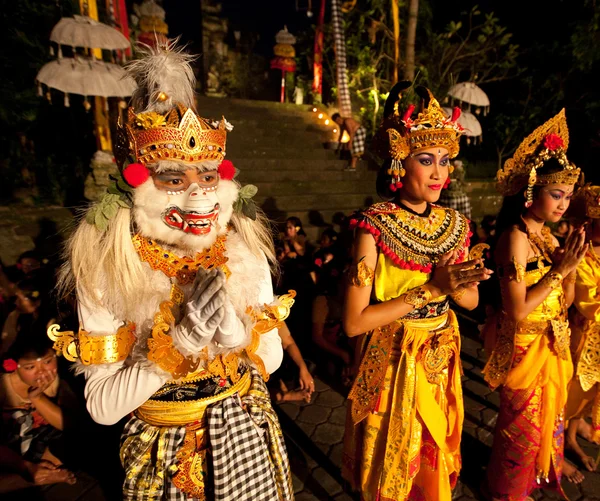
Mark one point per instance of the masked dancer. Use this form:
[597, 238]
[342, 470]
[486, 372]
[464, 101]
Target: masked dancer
[178, 322]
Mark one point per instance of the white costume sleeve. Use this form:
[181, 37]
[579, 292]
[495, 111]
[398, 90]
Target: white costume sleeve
[114, 390]
[270, 349]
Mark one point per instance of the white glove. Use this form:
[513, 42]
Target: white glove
[203, 313]
[231, 332]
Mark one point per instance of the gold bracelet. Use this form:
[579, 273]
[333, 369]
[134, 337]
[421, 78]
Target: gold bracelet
[571, 278]
[552, 280]
[417, 297]
[457, 296]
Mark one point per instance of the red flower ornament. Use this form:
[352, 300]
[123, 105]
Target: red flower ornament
[9, 365]
[553, 142]
[135, 174]
[226, 170]
[319, 262]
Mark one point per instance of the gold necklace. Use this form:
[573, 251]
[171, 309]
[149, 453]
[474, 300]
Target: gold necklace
[544, 243]
[184, 268]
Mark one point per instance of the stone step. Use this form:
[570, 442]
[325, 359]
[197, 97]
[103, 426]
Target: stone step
[275, 166]
[329, 176]
[315, 202]
[303, 150]
[278, 189]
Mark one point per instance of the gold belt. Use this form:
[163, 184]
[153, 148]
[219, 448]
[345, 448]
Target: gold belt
[182, 413]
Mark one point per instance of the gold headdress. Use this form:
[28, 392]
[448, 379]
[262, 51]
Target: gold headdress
[586, 203]
[162, 124]
[405, 136]
[550, 140]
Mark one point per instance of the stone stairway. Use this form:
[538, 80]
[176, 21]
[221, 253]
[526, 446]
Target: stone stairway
[279, 148]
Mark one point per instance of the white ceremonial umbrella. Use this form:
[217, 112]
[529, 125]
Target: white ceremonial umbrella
[469, 93]
[86, 77]
[83, 31]
[469, 122]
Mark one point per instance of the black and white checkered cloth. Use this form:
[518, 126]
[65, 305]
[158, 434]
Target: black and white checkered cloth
[358, 142]
[460, 202]
[249, 458]
[148, 469]
[343, 91]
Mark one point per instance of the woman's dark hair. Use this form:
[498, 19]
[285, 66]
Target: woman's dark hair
[513, 206]
[331, 233]
[296, 222]
[34, 343]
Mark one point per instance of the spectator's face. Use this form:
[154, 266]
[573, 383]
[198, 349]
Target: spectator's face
[291, 230]
[25, 304]
[552, 202]
[426, 173]
[29, 265]
[563, 228]
[325, 241]
[30, 369]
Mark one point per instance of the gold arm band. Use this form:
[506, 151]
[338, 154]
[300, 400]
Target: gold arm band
[361, 275]
[417, 297]
[91, 350]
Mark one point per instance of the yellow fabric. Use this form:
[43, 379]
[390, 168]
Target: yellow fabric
[586, 300]
[392, 281]
[584, 390]
[389, 454]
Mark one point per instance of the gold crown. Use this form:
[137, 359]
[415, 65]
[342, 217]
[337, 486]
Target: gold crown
[178, 135]
[431, 128]
[549, 140]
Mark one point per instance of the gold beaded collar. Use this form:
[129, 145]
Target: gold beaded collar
[184, 268]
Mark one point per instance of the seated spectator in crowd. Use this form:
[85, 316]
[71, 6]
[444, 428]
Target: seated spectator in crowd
[293, 380]
[474, 233]
[327, 333]
[487, 229]
[295, 238]
[28, 304]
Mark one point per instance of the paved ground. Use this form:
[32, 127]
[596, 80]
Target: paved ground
[314, 435]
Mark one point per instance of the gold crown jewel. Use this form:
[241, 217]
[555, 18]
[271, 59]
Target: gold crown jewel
[549, 140]
[179, 135]
[432, 128]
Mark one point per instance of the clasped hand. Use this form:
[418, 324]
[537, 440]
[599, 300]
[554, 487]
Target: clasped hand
[208, 314]
[566, 259]
[449, 278]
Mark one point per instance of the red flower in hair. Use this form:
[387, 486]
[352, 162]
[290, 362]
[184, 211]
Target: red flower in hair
[319, 262]
[9, 365]
[135, 174]
[226, 170]
[553, 142]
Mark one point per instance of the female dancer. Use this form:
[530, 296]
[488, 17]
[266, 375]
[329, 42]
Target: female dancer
[405, 419]
[584, 389]
[529, 339]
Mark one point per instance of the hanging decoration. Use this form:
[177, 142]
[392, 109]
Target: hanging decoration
[343, 90]
[317, 85]
[284, 56]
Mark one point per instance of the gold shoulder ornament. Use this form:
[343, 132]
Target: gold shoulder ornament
[361, 275]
